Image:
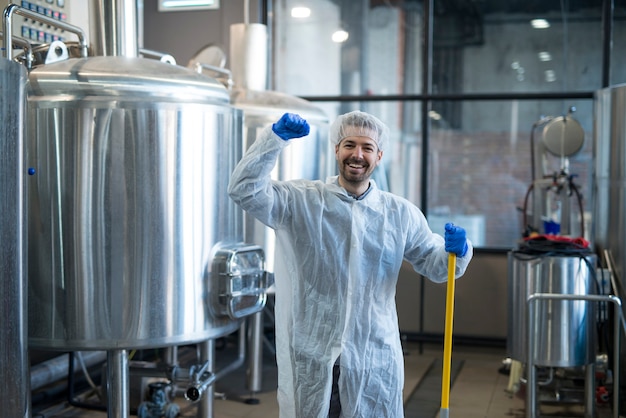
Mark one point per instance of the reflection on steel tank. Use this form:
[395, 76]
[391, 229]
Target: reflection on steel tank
[609, 191]
[609, 177]
[310, 158]
[14, 378]
[129, 206]
[565, 330]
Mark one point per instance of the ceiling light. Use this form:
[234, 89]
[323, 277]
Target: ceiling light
[169, 5]
[300, 12]
[540, 23]
[434, 115]
[340, 36]
[550, 76]
[545, 56]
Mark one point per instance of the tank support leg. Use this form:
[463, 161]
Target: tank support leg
[531, 390]
[255, 356]
[207, 354]
[118, 384]
[590, 390]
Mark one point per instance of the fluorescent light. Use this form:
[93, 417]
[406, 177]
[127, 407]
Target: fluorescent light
[170, 5]
[545, 56]
[540, 23]
[300, 12]
[434, 115]
[340, 36]
[550, 76]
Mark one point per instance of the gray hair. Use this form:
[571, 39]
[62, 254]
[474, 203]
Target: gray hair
[357, 123]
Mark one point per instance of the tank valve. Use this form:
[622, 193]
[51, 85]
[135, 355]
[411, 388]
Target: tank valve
[200, 380]
[158, 406]
[193, 394]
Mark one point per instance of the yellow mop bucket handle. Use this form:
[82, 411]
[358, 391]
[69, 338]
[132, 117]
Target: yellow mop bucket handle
[447, 341]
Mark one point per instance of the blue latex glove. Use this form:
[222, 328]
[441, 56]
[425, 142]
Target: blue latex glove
[291, 126]
[456, 241]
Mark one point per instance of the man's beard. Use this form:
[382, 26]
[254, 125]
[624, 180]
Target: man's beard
[355, 178]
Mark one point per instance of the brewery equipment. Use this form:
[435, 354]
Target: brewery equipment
[565, 332]
[133, 242]
[312, 158]
[14, 379]
[555, 199]
[609, 190]
[552, 259]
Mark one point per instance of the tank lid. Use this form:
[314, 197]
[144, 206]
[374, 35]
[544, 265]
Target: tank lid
[274, 103]
[139, 78]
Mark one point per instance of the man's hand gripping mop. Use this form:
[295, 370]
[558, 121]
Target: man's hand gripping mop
[447, 342]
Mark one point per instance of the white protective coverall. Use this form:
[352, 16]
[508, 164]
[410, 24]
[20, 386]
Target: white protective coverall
[337, 297]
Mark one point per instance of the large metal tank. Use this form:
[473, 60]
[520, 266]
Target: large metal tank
[564, 332]
[609, 190]
[609, 176]
[14, 377]
[128, 204]
[311, 158]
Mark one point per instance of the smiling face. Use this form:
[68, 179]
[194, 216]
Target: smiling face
[357, 157]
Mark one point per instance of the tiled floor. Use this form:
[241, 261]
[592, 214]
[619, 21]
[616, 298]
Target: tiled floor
[479, 391]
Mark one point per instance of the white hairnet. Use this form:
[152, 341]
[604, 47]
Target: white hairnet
[359, 123]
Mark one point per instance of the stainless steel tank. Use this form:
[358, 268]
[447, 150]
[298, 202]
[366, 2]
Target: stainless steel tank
[609, 175]
[609, 188]
[128, 205]
[14, 376]
[311, 158]
[564, 334]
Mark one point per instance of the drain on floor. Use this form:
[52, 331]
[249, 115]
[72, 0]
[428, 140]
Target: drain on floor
[425, 401]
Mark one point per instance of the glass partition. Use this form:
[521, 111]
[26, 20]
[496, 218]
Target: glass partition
[493, 82]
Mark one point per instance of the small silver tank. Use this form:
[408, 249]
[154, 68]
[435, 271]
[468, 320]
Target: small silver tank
[565, 330]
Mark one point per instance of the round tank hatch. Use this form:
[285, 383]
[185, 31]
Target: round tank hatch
[135, 78]
[563, 136]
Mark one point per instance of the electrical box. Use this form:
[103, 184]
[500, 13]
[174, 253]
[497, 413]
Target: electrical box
[74, 12]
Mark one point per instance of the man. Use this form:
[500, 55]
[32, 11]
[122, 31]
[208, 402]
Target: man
[343, 243]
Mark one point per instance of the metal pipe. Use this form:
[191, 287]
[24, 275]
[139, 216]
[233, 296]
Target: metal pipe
[118, 405]
[14, 382]
[222, 75]
[26, 46]
[608, 10]
[203, 380]
[255, 353]
[199, 378]
[113, 28]
[248, 55]
[241, 355]
[531, 390]
[7, 28]
[590, 390]
[582, 95]
[57, 368]
[161, 56]
[207, 353]
[170, 355]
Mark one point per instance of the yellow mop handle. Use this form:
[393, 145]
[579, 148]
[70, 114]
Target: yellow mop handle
[447, 342]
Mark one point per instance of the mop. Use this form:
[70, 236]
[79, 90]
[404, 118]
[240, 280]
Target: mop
[447, 342]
